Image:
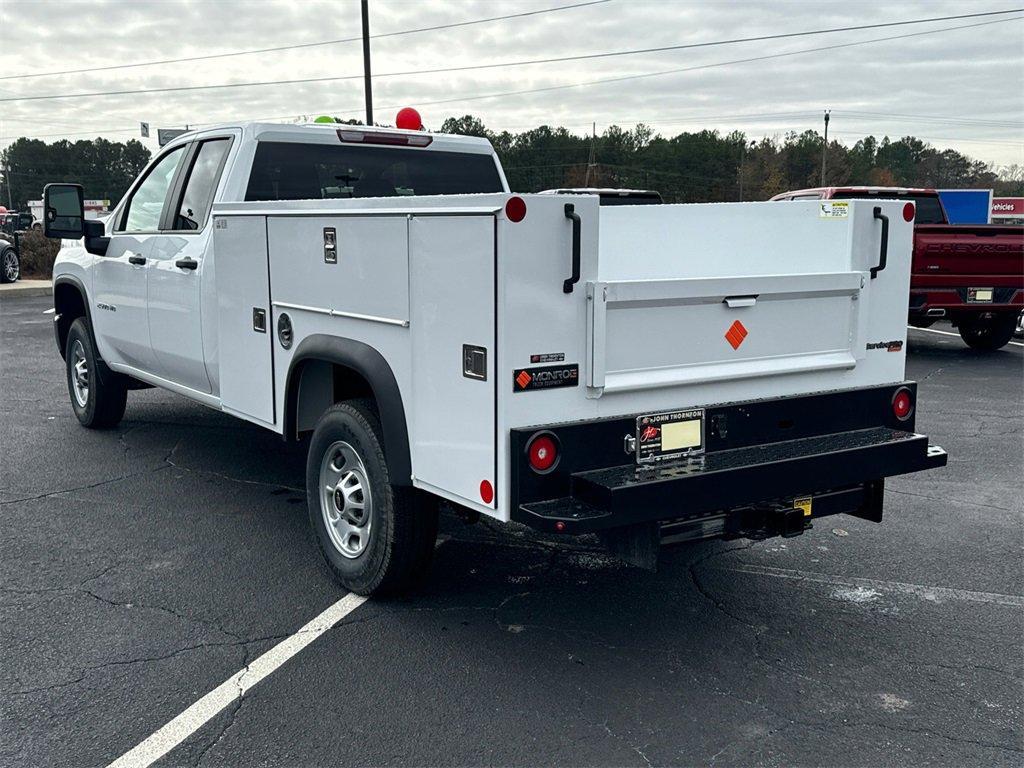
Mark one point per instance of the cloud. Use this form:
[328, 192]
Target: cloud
[969, 82]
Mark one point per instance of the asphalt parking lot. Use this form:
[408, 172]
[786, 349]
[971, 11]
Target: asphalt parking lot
[141, 568]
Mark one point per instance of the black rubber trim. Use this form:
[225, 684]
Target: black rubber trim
[375, 369]
[80, 287]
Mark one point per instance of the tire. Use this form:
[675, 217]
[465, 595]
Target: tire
[987, 334]
[98, 395]
[380, 542]
[10, 265]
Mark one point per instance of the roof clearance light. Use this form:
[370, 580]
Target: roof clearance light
[908, 212]
[515, 209]
[409, 120]
[356, 136]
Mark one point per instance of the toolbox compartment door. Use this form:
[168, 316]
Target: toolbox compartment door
[645, 334]
[244, 318]
[451, 273]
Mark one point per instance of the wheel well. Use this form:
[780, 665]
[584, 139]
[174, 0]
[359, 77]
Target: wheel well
[68, 305]
[326, 370]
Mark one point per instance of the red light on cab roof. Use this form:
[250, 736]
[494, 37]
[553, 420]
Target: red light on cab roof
[408, 119]
[515, 209]
[908, 212]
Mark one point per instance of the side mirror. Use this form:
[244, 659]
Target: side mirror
[96, 241]
[63, 211]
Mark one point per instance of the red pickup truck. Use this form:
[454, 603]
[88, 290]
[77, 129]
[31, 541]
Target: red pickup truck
[972, 275]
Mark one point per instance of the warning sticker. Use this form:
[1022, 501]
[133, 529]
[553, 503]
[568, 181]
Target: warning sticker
[805, 504]
[834, 209]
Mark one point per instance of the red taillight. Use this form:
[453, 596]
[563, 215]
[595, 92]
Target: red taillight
[542, 453]
[902, 404]
[486, 491]
[515, 209]
[908, 212]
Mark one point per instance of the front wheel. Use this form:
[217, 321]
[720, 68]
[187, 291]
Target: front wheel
[376, 537]
[10, 265]
[98, 395]
[987, 334]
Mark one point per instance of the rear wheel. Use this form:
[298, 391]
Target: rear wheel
[10, 265]
[377, 538]
[98, 395]
[987, 334]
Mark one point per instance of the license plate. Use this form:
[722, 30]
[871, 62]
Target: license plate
[979, 295]
[670, 435]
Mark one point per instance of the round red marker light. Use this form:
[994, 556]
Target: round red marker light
[902, 404]
[486, 491]
[409, 120]
[515, 209]
[560, 526]
[908, 212]
[542, 453]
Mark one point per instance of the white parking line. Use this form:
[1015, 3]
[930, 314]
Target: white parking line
[948, 333]
[932, 594]
[204, 710]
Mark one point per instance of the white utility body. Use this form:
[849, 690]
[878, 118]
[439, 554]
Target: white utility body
[640, 371]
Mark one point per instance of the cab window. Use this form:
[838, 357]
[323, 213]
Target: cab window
[201, 185]
[147, 202]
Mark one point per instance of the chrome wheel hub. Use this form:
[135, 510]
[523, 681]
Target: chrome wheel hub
[10, 266]
[345, 501]
[79, 374]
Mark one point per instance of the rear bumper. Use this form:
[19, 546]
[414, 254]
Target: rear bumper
[955, 298]
[742, 491]
[761, 455]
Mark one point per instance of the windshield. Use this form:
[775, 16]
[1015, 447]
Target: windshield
[929, 210]
[286, 171]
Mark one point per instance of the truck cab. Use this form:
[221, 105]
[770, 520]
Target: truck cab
[651, 373]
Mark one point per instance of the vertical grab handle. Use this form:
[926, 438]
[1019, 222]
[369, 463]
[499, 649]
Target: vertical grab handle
[884, 250]
[570, 213]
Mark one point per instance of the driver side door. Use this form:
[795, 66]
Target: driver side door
[120, 318]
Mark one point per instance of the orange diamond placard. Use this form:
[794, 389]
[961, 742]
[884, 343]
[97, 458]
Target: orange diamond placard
[523, 379]
[736, 334]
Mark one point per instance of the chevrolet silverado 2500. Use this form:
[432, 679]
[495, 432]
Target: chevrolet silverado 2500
[649, 373]
[971, 274]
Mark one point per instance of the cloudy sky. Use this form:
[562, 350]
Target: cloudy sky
[961, 88]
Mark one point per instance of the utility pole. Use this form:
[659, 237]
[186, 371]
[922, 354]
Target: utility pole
[743, 160]
[366, 62]
[592, 157]
[7, 183]
[824, 148]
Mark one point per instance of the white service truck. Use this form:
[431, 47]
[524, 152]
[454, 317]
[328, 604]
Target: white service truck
[648, 373]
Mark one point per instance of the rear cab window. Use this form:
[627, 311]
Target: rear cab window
[197, 197]
[290, 171]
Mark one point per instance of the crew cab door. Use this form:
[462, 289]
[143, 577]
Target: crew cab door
[177, 266]
[120, 316]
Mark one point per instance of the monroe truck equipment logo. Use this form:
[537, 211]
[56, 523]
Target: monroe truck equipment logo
[549, 377]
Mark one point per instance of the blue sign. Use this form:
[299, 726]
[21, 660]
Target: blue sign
[967, 206]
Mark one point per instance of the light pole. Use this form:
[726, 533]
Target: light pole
[366, 62]
[824, 148]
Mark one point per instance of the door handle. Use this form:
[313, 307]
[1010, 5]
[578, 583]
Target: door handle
[136, 259]
[569, 282]
[883, 251]
[186, 264]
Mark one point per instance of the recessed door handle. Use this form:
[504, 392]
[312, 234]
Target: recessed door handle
[186, 263]
[734, 302]
[136, 259]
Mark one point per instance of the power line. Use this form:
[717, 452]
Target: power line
[562, 59]
[625, 78]
[297, 46]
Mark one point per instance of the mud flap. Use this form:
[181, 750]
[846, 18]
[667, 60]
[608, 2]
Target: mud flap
[636, 545]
